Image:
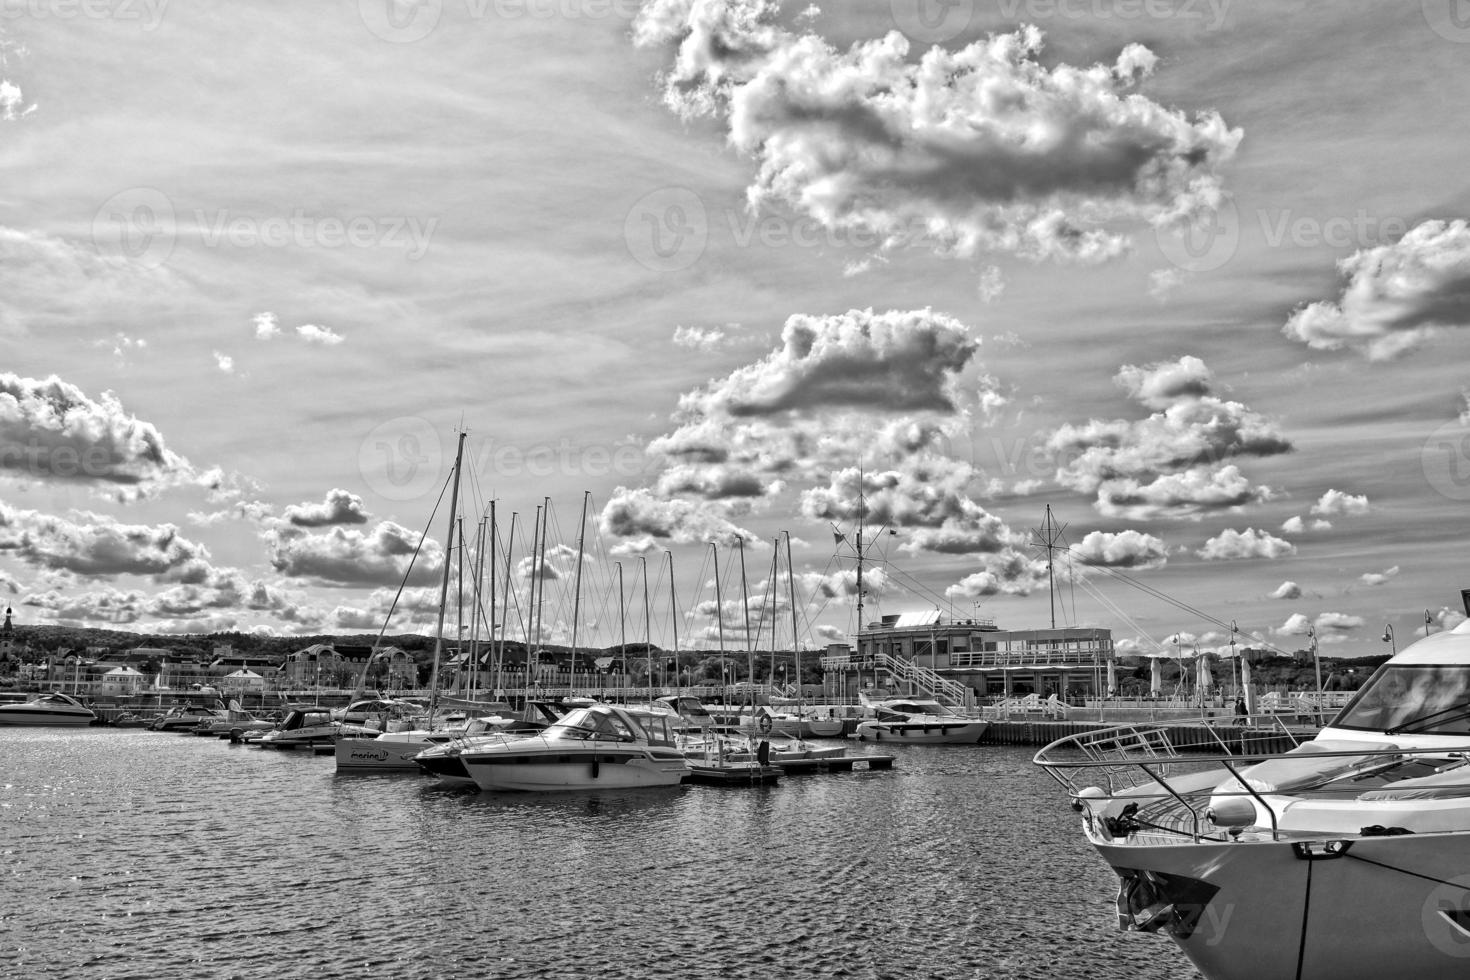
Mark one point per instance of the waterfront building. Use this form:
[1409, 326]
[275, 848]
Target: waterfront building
[340, 665]
[987, 662]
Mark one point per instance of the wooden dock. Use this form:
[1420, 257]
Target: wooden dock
[836, 763]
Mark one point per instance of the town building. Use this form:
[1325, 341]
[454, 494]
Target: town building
[987, 661]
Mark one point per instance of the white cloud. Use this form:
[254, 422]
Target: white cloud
[338, 507]
[1287, 590]
[1167, 465]
[1335, 502]
[1293, 525]
[1397, 295]
[1125, 549]
[266, 326]
[51, 430]
[1378, 578]
[12, 100]
[224, 362]
[1232, 545]
[700, 338]
[978, 148]
[313, 334]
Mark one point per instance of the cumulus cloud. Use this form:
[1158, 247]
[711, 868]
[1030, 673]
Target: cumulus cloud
[647, 521]
[350, 557]
[1168, 465]
[979, 148]
[1335, 502]
[266, 325]
[901, 360]
[98, 545]
[1296, 624]
[12, 102]
[1009, 572]
[1287, 590]
[1396, 296]
[927, 497]
[700, 338]
[1378, 578]
[313, 334]
[1333, 622]
[1293, 525]
[52, 430]
[339, 507]
[1232, 545]
[224, 362]
[1124, 549]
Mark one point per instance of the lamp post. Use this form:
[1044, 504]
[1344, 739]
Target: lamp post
[1388, 638]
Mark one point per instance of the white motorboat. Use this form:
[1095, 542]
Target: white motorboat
[306, 728]
[49, 710]
[920, 721]
[399, 751]
[189, 716]
[598, 747]
[443, 760]
[1345, 857]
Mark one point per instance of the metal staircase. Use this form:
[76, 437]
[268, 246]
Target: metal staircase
[940, 688]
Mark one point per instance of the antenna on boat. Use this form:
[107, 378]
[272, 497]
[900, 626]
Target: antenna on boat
[1047, 537]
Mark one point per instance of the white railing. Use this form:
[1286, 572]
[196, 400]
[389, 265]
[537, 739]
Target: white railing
[936, 685]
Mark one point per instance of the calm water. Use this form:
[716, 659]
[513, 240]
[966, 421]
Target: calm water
[134, 854]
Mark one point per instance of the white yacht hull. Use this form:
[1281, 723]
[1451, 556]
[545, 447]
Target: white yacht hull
[575, 769]
[1359, 909]
[25, 716]
[919, 733]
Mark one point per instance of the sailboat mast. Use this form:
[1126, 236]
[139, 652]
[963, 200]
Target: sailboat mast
[444, 584]
[795, 636]
[531, 610]
[494, 644]
[674, 617]
[647, 629]
[749, 638]
[461, 676]
[622, 625]
[475, 603]
[510, 542]
[719, 610]
[577, 588]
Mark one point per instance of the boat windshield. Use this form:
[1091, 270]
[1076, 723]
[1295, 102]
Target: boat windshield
[592, 723]
[1412, 698]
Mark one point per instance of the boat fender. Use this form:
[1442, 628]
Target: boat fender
[596, 767]
[763, 753]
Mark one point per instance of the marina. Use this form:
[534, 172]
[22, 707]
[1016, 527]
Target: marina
[955, 863]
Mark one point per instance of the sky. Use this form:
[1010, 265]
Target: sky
[738, 280]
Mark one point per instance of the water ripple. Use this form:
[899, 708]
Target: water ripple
[141, 854]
